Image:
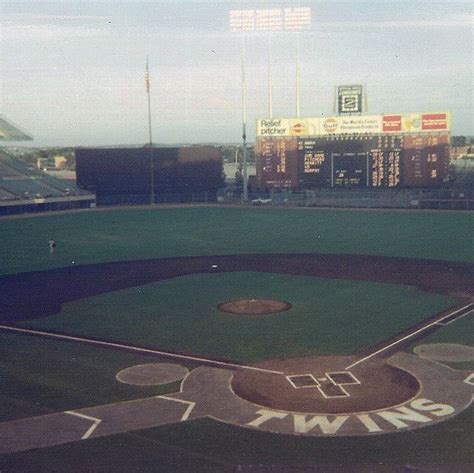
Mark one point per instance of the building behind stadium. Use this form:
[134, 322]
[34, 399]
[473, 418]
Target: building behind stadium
[353, 151]
[136, 175]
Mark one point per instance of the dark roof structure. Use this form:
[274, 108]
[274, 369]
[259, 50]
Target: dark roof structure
[11, 132]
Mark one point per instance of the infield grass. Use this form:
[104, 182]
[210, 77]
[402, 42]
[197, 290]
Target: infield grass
[180, 315]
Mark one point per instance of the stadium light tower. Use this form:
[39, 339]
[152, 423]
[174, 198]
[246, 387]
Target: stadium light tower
[267, 19]
[150, 144]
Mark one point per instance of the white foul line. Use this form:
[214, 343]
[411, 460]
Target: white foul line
[91, 429]
[457, 318]
[188, 411]
[396, 342]
[136, 349]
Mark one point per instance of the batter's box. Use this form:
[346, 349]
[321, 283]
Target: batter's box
[342, 377]
[303, 381]
[330, 390]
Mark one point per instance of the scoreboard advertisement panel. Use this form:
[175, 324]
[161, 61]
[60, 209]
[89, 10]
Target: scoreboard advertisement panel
[416, 122]
[368, 124]
[355, 125]
[288, 127]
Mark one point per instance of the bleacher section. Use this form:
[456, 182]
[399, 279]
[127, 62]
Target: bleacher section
[28, 189]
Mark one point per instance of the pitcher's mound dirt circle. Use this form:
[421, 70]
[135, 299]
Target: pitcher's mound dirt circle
[369, 386]
[254, 306]
[152, 374]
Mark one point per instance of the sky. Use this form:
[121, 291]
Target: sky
[72, 73]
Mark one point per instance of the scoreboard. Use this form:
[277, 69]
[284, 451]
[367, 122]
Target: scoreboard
[277, 163]
[349, 169]
[385, 156]
[378, 161]
[313, 163]
[426, 160]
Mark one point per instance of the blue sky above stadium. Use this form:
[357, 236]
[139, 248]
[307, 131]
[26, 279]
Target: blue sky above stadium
[72, 73]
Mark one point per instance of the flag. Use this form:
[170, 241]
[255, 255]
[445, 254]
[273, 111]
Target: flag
[147, 77]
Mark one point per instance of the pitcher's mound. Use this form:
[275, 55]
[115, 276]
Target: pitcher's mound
[254, 306]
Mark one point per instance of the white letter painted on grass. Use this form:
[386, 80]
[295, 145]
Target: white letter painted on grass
[369, 423]
[438, 410]
[395, 417]
[265, 416]
[327, 427]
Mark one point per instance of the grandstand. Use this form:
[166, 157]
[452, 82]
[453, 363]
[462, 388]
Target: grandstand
[24, 188]
[10, 132]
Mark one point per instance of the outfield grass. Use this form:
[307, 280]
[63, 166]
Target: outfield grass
[327, 316]
[91, 237]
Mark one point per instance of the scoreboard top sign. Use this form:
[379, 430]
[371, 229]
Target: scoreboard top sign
[349, 99]
[349, 90]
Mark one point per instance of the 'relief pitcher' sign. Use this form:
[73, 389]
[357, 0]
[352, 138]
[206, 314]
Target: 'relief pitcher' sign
[287, 127]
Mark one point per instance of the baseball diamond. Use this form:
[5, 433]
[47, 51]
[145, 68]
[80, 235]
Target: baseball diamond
[379, 389]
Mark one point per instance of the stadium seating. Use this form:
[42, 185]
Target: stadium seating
[19, 181]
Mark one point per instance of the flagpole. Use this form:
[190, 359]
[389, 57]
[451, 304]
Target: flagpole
[150, 144]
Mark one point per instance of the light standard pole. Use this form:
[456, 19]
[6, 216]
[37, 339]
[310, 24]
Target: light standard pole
[244, 124]
[150, 144]
[297, 75]
[270, 79]
[275, 19]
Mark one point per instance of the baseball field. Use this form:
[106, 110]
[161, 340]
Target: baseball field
[93, 333]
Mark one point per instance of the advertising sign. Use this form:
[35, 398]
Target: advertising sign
[392, 123]
[349, 99]
[288, 127]
[435, 121]
[351, 125]
[416, 122]
[411, 123]
[356, 124]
